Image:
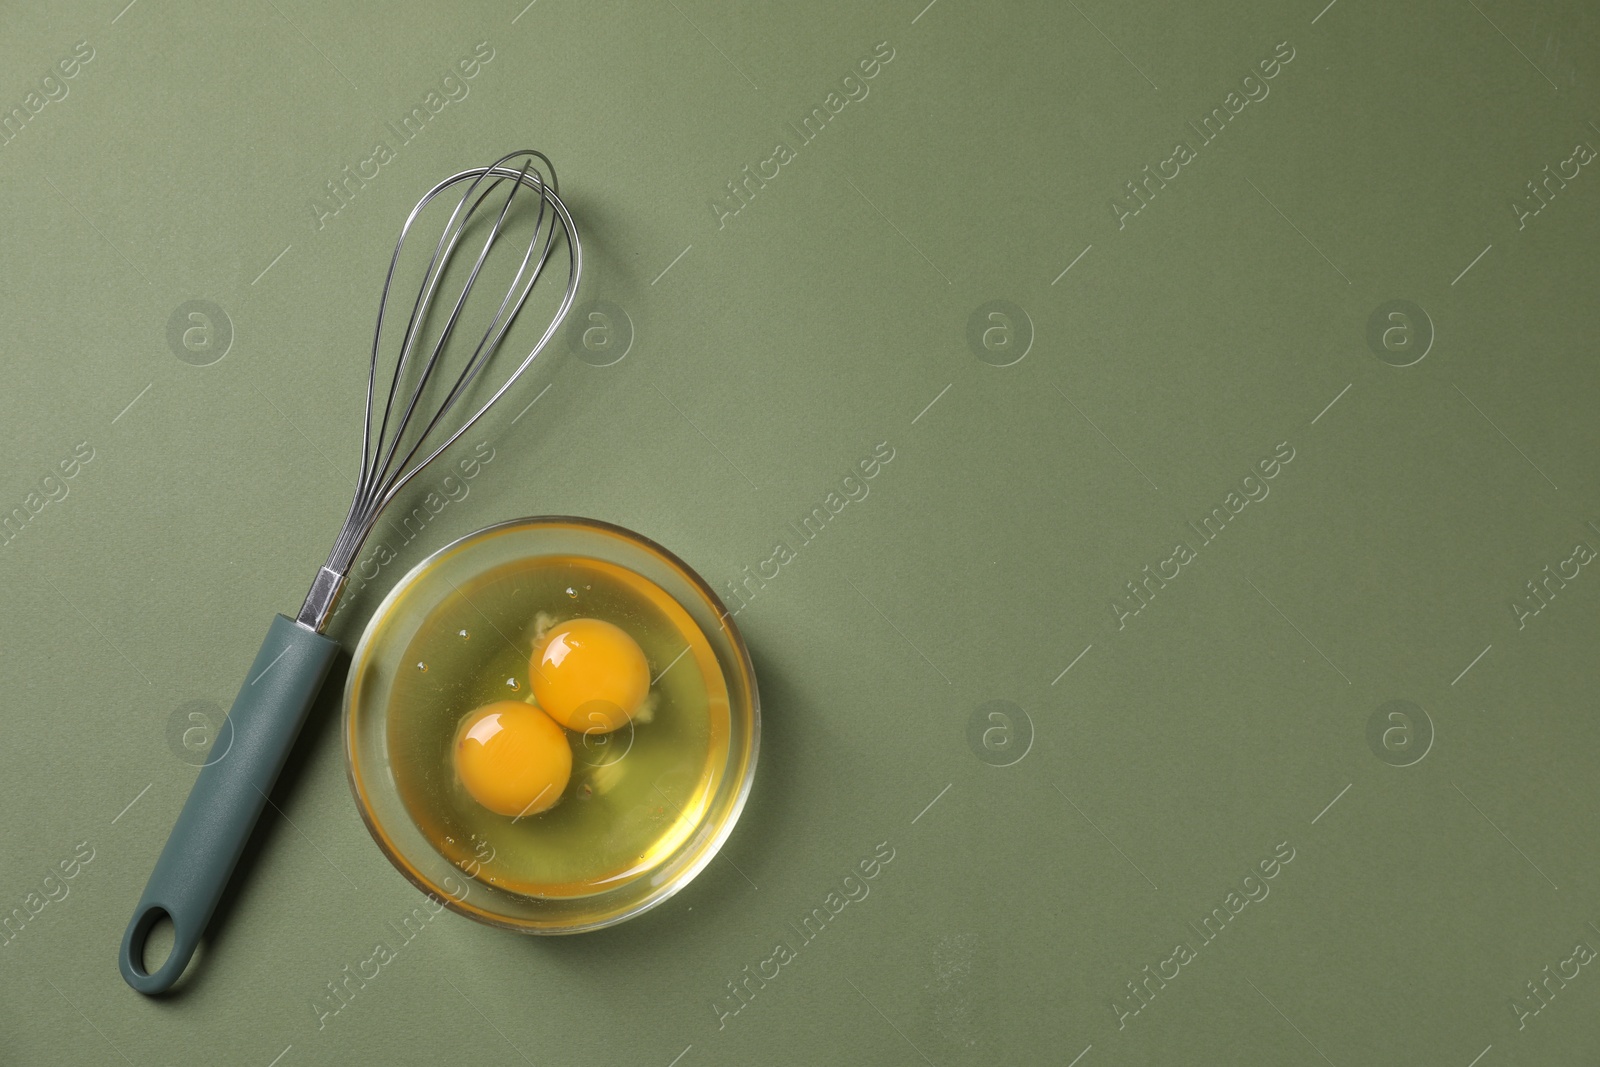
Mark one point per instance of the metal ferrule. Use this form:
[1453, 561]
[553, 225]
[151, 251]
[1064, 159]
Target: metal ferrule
[320, 600]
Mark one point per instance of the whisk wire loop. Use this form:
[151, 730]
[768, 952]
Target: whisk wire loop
[389, 456]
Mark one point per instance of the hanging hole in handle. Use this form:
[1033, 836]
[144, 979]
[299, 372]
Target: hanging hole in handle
[170, 950]
[159, 937]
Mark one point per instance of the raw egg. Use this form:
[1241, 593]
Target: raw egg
[512, 758]
[590, 675]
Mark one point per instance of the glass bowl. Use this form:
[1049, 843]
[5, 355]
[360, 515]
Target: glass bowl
[466, 580]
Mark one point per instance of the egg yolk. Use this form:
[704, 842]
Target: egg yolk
[589, 675]
[512, 758]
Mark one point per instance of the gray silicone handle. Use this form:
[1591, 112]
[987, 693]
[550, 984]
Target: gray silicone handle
[227, 798]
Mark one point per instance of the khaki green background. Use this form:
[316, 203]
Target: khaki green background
[766, 358]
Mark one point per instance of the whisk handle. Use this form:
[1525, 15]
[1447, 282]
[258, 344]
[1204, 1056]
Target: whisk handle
[227, 799]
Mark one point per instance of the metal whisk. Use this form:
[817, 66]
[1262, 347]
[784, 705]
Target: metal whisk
[385, 469]
[405, 430]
